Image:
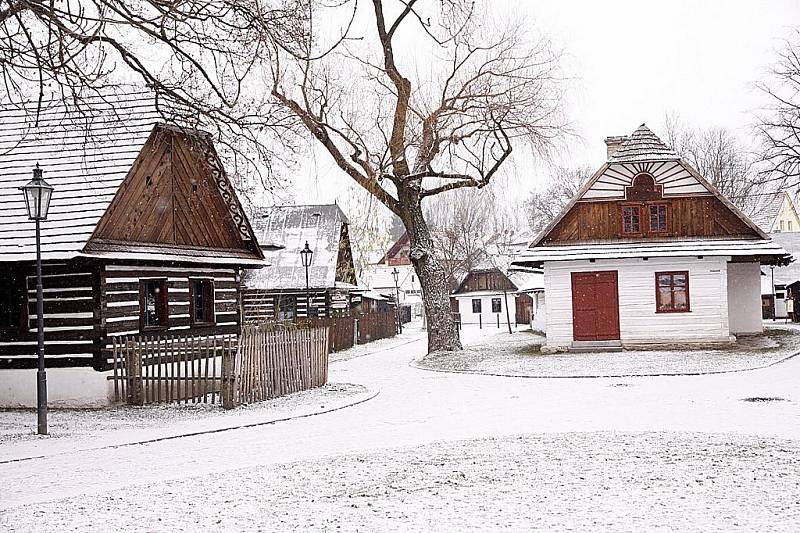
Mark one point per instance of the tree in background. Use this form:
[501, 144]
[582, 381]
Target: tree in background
[542, 206]
[779, 125]
[432, 98]
[207, 64]
[718, 155]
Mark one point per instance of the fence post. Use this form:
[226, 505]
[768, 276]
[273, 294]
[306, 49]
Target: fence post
[355, 331]
[480, 321]
[228, 378]
[133, 360]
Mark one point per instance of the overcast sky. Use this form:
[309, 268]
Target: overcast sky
[630, 62]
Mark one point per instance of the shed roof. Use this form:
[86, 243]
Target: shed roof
[766, 249]
[286, 228]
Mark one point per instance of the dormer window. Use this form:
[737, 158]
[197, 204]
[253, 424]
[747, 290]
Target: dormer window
[631, 219]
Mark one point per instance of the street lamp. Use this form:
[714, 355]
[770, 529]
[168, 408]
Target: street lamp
[396, 276]
[305, 256]
[37, 194]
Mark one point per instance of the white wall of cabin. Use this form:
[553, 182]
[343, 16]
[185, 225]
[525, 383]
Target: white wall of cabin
[639, 323]
[486, 316]
[79, 387]
[744, 297]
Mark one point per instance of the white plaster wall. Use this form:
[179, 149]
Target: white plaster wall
[66, 387]
[489, 319]
[639, 322]
[539, 322]
[744, 297]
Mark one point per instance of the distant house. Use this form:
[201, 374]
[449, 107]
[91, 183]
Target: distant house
[278, 291]
[145, 235]
[773, 212]
[649, 252]
[485, 294]
[775, 280]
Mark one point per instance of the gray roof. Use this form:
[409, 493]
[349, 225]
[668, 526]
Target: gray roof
[643, 145]
[286, 229]
[762, 208]
[85, 156]
[790, 242]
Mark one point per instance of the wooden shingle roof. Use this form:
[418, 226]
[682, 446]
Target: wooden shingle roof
[84, 155]
[643, 145]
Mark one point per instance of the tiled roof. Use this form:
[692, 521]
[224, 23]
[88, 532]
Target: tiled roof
[643, 145]
[762, 208]
[84, 155]
[290, 227]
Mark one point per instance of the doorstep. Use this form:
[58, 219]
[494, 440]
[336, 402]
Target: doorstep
[595, 346]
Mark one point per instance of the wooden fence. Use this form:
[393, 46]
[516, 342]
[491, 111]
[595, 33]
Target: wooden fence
[375, 326]
[341, 331]
[271, 363]
[170, 368]
[261, 363]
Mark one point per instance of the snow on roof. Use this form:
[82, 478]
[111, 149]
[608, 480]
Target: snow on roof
[527, 281]
[643, 145]
[379, 277]
[762, 208]
[672, 248]
[84, 155]
[790, 242]
[291, 226]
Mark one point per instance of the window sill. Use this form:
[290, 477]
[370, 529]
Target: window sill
[672, 312]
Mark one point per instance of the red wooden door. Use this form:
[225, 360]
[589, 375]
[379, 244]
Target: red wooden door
[595, 306]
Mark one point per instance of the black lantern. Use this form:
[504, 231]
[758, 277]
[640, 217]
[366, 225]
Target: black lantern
[37, 196]
[305, 256]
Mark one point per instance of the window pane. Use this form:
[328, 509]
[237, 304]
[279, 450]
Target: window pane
[476, 306]
[664, 280]
[679, 280]
[199, 300]
[679, 298]
[630, 219]
[658, 218]
[151, 297]
[496, 305]
[664, 299]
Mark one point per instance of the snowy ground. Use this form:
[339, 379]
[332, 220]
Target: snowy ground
[87, 429]
[583, 481]
[443, 451]
[518, 355]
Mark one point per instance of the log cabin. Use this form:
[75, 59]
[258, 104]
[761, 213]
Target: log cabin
[278, 292]
[649, 252]
[145, 234]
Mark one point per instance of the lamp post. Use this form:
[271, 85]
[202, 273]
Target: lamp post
[37, 194]
[305, 256]
[396, 276]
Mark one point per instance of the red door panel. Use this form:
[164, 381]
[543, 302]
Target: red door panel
[595, 306]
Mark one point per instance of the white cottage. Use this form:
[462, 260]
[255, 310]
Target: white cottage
[649, 252]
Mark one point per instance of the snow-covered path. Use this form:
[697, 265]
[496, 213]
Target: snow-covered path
[417, 407]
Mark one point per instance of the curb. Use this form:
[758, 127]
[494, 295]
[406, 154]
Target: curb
[198, 433]
[415, 363]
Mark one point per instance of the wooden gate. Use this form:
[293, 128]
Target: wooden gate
[595, 306]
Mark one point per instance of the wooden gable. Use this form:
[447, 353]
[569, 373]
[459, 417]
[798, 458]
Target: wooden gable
[176, 193]
[693, 207]
[485, 280]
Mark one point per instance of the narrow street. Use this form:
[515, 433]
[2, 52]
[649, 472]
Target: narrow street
[414, 408]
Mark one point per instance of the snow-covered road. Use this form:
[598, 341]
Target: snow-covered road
[417, 407]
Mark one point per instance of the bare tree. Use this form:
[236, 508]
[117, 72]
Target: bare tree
[779, 125]
[206, 62]
[406, 132]
[543, 206]
[718, 155]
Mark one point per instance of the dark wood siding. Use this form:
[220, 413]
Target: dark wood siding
[699, 216]
[69, 331]
[483, 280]
[260, 305]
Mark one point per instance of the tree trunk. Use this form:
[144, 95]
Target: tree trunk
[442, 329]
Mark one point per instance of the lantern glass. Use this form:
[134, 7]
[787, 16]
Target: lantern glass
[37, 194]
[305, 255]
